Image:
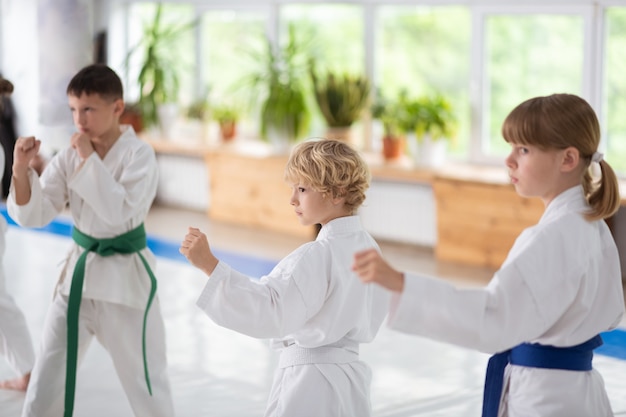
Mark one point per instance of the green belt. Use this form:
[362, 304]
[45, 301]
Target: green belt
[128, 243]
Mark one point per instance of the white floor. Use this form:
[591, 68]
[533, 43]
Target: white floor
[216, 372]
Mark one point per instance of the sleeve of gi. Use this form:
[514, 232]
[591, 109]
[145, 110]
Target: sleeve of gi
[273, 306]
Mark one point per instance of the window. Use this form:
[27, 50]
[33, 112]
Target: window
[229, 40]
[526, 54]
[485, 58]
[334, 33]
[176, 40]
[426, 50]
[614, 120]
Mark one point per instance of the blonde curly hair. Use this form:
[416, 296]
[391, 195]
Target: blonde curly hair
[332, 168]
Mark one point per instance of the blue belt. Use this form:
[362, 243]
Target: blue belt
[575, 358]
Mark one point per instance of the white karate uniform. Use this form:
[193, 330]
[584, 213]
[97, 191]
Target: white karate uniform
[107, 197]
[560, 285]
[317, 312]
[16, 344]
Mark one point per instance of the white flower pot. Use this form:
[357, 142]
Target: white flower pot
[428, 153]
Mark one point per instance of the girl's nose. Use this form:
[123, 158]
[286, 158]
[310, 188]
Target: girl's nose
[509, 162]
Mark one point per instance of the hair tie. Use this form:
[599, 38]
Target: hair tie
[597, 157]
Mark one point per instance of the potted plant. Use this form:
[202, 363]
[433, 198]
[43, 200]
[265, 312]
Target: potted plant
[390, 115]
[197, 118]
[431, 119]
[277, 82]
[437, 119]
[132, 116]
[158, 74]
[341, 97]
[226, 116]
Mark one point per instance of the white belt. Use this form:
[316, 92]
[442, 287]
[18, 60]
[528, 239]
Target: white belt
[296, 355]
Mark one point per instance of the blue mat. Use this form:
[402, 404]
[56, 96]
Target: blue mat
[249, 265]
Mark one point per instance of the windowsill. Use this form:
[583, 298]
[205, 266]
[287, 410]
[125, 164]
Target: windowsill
[403, 170]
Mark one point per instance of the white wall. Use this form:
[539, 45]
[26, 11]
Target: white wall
[20, 50]
[183, 182]
[401, 212]
[44, 43]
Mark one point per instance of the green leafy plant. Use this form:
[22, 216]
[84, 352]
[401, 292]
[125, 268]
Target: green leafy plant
[390, 114]
[198, 110]
[429, 115]
[158, 77]
[278, 83]
[225, 113]
[340, 97]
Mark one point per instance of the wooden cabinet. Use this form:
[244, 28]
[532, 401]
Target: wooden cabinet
[477, 223]
[250, 191]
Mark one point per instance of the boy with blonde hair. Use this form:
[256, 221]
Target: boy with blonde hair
[311, 305]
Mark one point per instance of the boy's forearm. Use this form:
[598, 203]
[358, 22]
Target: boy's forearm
[21, 186]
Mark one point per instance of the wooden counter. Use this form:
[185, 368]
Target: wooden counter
[250, 191]
[246, 184]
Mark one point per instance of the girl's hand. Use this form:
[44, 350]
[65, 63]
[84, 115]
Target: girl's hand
[195, 247]
[370, 266]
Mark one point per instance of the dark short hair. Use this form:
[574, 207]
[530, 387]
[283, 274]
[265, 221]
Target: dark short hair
[96, 79]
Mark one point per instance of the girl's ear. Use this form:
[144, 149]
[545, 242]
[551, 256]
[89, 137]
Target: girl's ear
[571, 158]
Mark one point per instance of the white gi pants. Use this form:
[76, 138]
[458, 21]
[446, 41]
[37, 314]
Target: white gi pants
[118, 328]
[324, 381]
[16, 344]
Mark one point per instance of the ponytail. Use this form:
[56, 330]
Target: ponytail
[603, 196]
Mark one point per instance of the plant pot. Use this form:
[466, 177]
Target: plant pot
[228, 130]
[431, 153]
[343, 133]
[133, 118]
[168, 113]
[393, 147]
[279, 140]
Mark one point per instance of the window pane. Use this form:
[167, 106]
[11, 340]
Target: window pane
[176, 48]
[615, 89]
[527, 56]
[335, 35]
[229, 40]
[425, 50]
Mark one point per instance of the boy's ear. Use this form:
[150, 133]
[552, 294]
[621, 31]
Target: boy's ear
[339, 197]
[118, 107]
[571, 158]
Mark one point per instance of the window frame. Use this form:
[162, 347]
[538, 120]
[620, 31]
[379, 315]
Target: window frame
[593, 14]
[591, 87]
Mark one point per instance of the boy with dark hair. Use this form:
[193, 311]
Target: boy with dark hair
[106, 288]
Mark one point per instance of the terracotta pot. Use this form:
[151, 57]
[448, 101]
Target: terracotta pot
[228, 130]
[133, 118]
[393, 147]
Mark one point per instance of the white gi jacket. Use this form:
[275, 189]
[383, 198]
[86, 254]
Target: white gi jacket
[310, 299]
[107, 197]
[560, 285]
